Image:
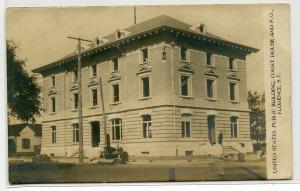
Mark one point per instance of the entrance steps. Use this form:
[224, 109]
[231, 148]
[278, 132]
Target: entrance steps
[229, 151]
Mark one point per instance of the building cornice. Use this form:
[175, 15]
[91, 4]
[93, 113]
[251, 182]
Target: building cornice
[179, 33]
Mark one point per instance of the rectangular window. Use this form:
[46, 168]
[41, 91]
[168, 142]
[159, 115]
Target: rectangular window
[183, 53]
[210, 88]
[95, 133]
[208, 59]
[94, 97]
[25, 143]
[185, 129]
[232, 95]
[93, 70]
[116, 129]
[53, 105]
[75, 76]
[115, 64]
[147, 133]
[145, 54]
[75, 100]
[231, 66]
[146, 86]
[233, 127]
[53, 81]
[116, 95]
[75, 133]
[53, 134]
[184, 82]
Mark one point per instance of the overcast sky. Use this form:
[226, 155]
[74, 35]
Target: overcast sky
[40, 33]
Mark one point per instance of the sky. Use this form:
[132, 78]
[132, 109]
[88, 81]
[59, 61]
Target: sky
[40, 33]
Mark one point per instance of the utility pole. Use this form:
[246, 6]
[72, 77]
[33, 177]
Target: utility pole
[134, 12]
[104, 116]
[79, 96]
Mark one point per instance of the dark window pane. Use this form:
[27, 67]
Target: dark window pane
[184, 85]
[94, 70]
[53, 80]
[116, 93]
[146, 88]
[232, 91]
[182, 128]
[76, 99]
[208, 58]
[210, 93]
[233, 127]
[231, 63]
[145, 54]
[25, 143]
[187, 129]
[75, 75]
[53, 128]
[95, 97]
[116, 64]
[183, 53]
[53, 105]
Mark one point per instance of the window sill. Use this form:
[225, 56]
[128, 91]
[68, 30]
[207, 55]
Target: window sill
[115, 71]
[116, 141]
[52, 113]
[115, 103]
[145, 98]
[234, 102]
[73, 110]
[93, 77]
[185, 61]
[232, 70]
[210, 66]
[212, 99]
[144, 63]
[93, 107]
[186, 97]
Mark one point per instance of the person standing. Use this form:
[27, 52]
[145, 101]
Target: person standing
[220, 138]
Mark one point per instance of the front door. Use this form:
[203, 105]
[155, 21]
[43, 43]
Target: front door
[95, 133]
[211, 129]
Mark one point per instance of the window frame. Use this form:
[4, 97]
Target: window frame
[74, 104]
[52, 105]
[53, 134]
[113, 64]
[189, 85]
[146, 126]
[113, 92]
[214, 88]
[185, 130]
[186, 52]
[232, 64]
[93, 71]
[75, 76]
[210, 60]
[53, 81]
[236, 91]
[92, 97]
[234, 131]
[75, 132]
[146, 59]
[141, 86]
[114, 127]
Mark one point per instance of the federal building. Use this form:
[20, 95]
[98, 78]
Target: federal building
[169, 89]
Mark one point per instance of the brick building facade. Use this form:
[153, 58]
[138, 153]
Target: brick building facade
[169, 89]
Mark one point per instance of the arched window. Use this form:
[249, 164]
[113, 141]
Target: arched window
[234, 127]
[147, 132]
[53, 134]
